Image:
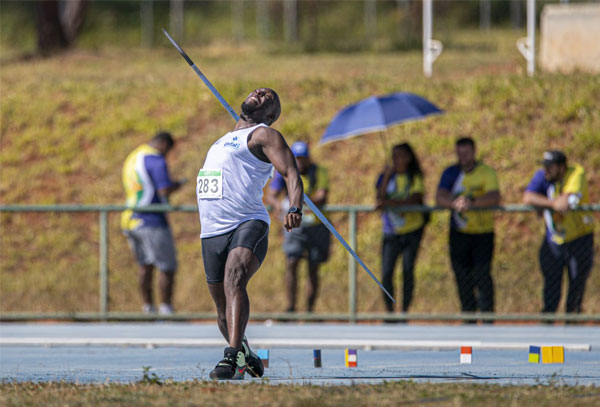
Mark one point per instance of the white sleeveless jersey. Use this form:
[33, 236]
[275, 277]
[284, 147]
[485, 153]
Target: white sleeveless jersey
[229, 187]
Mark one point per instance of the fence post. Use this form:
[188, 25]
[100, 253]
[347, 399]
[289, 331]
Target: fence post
[352, 266]
[103, 262]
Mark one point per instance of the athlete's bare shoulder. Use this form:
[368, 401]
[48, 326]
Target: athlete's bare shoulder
[264, 137]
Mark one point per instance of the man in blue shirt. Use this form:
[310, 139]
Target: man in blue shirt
[312, 239]
[146, 181]
[559, 188]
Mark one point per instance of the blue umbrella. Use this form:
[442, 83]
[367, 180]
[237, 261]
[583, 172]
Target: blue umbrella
[376, 114]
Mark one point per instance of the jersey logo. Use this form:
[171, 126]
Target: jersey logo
[233, 144]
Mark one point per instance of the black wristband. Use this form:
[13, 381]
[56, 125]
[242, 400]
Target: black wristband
[295, 209]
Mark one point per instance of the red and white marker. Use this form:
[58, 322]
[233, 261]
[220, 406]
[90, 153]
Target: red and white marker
[466, 354]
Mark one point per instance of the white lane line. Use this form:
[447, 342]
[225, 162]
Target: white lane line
[314, 343]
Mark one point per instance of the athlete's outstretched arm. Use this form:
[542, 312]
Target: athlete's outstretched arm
[276, 150]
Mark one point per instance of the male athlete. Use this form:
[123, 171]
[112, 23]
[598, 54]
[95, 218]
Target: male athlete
[235, 223]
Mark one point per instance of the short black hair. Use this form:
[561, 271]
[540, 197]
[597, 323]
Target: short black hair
[465, 141]
[165, 137]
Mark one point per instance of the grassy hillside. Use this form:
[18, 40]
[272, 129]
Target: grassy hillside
[67, 123]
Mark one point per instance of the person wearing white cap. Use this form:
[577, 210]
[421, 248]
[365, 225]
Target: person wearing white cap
[559, 188]
[312, 239]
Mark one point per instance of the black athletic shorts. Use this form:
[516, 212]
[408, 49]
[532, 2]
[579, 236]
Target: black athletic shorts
[252, 234]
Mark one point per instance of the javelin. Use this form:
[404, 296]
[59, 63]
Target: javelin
[307, 200]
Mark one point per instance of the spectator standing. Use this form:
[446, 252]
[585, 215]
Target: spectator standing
[146, 181]
[311, 240]
[400, 184]
[464, 186]
[559, 188]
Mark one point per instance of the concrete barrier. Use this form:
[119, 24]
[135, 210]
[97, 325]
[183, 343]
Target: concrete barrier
[570, 38]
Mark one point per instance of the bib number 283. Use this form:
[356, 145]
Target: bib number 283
[210, 184]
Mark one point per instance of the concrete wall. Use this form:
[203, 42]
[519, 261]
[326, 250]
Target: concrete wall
[570, 37]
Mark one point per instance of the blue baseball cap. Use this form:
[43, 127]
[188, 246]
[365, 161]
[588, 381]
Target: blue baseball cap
[300, 149]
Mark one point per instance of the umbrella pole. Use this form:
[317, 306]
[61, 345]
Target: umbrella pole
[384, 145]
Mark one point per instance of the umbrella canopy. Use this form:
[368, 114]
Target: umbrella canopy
[377, 113]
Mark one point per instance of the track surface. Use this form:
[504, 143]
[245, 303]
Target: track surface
[183, 351]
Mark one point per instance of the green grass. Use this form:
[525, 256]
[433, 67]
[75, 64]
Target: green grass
[67, 124]
[186, 394]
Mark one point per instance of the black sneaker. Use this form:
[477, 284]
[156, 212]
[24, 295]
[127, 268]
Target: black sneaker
[254, 366]
[231, 367]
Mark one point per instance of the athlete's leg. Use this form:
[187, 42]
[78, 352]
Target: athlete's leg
[552, 264]
[214, 257]
[241, 265]
[145, 282]
[217, 292]
[294, 246]
[291, 281]
[312, 286]
[165, 259]
[317, 246]
[166, 281]
[483, 252]
[409, 257]
[580, 258]
[389, 255]
[462, 264]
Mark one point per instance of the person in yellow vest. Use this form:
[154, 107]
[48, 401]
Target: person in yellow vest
[146, 181]
[311, 240]
[400, 184]
[559, 188]
[465, 185]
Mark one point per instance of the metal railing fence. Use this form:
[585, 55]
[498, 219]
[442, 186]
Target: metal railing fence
[352, 316]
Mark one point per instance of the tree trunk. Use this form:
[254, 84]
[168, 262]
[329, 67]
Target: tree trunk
[58, 24]
[516, 13]
[290, 12]
[263, 25]
[72, 13]
[237, 20]
[50, 35]
[147, 23]
[485, 14]
[313, 22]
[370, 18]
[176, 19]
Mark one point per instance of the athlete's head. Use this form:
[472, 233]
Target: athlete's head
[163, 141]
[555, 165]
[465, 152]
[262, 106]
